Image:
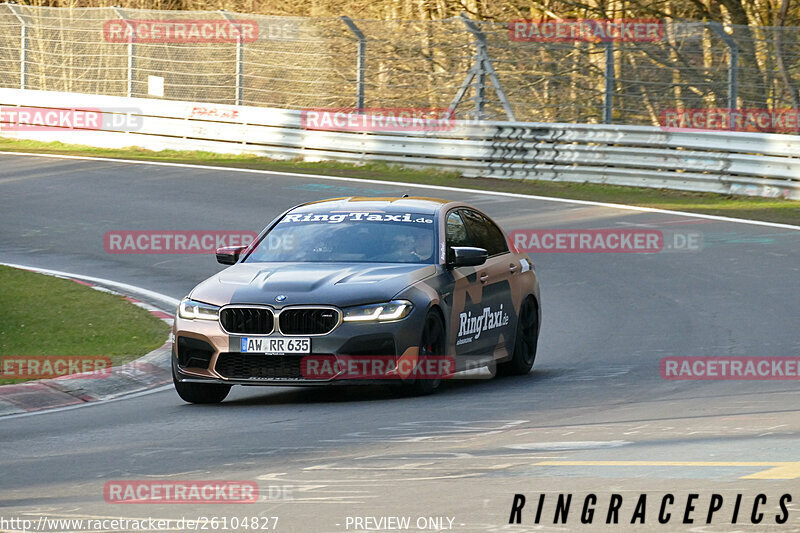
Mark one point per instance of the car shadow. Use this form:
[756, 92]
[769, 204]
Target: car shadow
[373, 393]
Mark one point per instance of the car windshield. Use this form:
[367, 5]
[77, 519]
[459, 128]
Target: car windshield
[349, 237]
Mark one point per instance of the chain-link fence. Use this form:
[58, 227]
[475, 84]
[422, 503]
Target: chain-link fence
[479, 68]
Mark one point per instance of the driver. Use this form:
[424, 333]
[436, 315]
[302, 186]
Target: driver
[413, 247]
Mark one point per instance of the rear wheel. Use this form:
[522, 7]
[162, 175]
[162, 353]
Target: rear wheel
[525, 342]
[431, 345]
[200, 392]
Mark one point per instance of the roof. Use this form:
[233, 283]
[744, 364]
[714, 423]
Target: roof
[410, 204]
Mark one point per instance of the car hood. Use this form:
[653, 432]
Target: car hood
[339, 284]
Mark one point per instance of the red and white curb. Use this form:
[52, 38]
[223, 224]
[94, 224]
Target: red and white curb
[147, 372]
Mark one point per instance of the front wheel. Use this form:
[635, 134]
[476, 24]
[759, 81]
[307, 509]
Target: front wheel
[201, 392]
[525, 342]
[431, 345]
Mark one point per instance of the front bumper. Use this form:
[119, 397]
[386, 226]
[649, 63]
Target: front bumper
[204, 353]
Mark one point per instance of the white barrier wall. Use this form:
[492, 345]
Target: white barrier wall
[754, 164]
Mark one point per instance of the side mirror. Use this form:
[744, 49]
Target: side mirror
[468, 256]
[229, 255]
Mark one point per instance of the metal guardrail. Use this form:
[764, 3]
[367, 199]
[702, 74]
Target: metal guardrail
[755, 164]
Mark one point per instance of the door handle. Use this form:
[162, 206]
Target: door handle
[484, 277]
[513, 268]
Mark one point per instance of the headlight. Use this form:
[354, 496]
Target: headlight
[191, 310]
[394, 310]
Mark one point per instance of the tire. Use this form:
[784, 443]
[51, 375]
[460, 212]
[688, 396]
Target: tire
[432, 343]
[525, 341]
[200, 392]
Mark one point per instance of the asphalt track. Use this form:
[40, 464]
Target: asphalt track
[594, 416]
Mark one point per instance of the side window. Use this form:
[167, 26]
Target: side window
[486, 234]
[455, 233]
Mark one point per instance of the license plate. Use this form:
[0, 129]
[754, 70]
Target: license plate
[275, 345]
